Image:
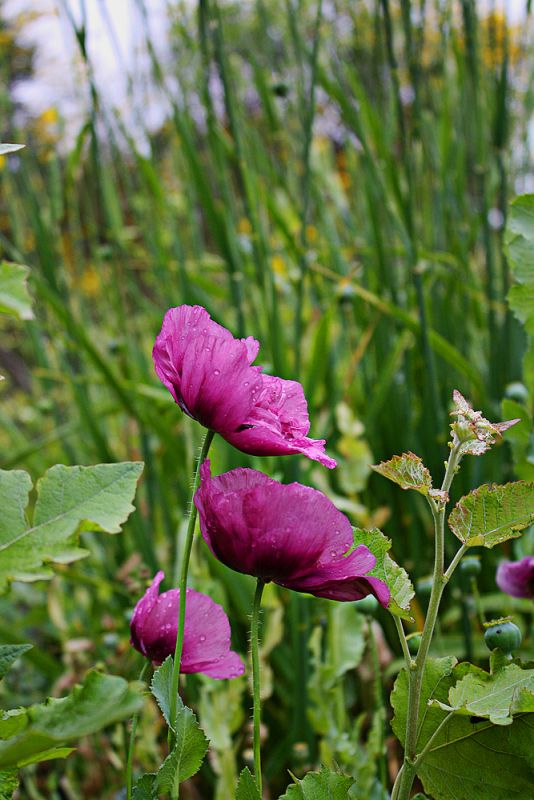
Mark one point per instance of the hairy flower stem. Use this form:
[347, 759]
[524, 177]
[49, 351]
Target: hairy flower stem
[131, 742]
[254, 648]
[406, 777]
[183, 585]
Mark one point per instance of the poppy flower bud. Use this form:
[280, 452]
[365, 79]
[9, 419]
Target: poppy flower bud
[206, 647]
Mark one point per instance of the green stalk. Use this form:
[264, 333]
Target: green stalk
[131, 743]
[183, 584]
[254, 649]
[440, 578]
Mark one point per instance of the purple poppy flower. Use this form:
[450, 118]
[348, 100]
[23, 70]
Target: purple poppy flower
[517, 577]
[206, 646]
[290, 534]
[211, 377]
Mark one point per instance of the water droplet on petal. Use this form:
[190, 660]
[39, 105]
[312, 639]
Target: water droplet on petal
[202, 638]
[216, 371]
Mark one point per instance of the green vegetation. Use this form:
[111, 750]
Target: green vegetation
[334, 179]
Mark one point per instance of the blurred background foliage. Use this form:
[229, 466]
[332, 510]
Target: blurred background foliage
[332, 178]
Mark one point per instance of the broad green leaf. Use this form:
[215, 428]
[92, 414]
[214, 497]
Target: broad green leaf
[99, 701]
[10, 148]
[490, 515]
[9, 781]
[161, 689]
[15, 298]
[388, 571]
[46, 755]
[323, 785]
[467, 760]
[408, 471]
[496, 697]
[246, 787]
[144, 787]
[70, 499]
[9, 654]
[187, 754]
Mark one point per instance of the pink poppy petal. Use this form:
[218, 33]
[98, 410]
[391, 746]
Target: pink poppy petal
[292, 535]
[206, 646]
[516, 578]
[229, 666]
[278, 424]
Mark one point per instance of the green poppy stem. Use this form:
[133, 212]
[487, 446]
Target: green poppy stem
[183, 584]
[254, 647]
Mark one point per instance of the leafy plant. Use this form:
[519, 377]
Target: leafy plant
[69, 500]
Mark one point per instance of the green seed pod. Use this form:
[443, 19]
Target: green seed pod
[470, 566]
[414, 641]
[368, 605]
[502, 634]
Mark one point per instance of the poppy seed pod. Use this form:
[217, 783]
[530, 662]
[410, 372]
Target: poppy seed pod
[210, 375]
[206, 647]
[290, 534]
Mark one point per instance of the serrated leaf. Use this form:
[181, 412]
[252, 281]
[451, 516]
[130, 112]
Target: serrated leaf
[467, 760]
[70, 499]
[490, 515]
[9, 654]
[246, 787]
[6, 148]
[144, 787]
[15, 298]
[99, 701]
[408, 471]
[323, 785]
[388, 571]
[496, 697]
[187, 755]
[9, 781]
[161, 688]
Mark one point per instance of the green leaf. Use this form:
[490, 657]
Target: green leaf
[47, 755]
[9, 781]
[246, 787]
[323, 785]
[70, 499]
[15, 298]
[388, 571]
[43, 729]
[9, 654]
[467, 760]
[10, 148]
[496, 697]
[161, 686]
[186, 756]
[490, 515]
[408, 471]
[144, 787]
